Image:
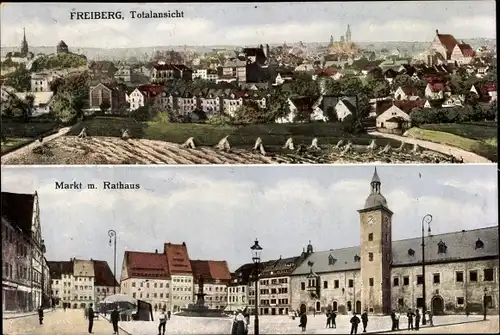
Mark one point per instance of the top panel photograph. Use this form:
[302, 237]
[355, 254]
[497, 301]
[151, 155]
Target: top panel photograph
[248, 83]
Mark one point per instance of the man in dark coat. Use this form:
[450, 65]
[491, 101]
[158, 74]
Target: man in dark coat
[354, 323]
[364, 320]
[334, 322]
[115, 317]
[393, 319]
[328, 320]
[417, 320]
[303, 322]
[90, 316]
[40, 315]
[410, 316]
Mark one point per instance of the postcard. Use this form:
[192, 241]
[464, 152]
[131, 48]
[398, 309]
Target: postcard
[249, 83]
[235, 250]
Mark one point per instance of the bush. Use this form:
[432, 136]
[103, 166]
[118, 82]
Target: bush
[219, 120]
[162, 117]
[351, 125]
[450, 115]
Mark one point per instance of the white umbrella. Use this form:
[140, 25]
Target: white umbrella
[119, 298]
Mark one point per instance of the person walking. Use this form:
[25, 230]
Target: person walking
[354, 323]
[431, 323]
[334, 322]
[163, 322]
[364, 320]
[328, 320]
[115, 317]
[410, 316]
[393, 320]
[169, 314]
[90, 316]
[40, 315]
[398, 316]
[417, 319]
[240, 323]
[303, 321]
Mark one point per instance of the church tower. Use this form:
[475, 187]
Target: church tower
[24, 45]
[376, 251]
[348, 34]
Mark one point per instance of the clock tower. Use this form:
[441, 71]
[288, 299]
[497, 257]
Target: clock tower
[376, 251]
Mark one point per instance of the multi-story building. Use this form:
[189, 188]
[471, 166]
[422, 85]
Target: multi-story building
[24, 274]
[237, 291]
[211, 103]
[40, 82]
[110, 96]
[215, 277]
[123, 74]
[73, 285]
[445, 49]
[165, 72]
[382, 275]
[181, 275]
[206, 74]
[145, 277]
[149, 94]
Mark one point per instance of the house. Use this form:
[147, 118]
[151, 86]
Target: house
[389, 75]
[181, 275]
[234, 69]
[406, 93]
[434, 103]
[437, 90]
[344, 108]
[232, 101]
[327, 72]
[303, 109]
[394, 119]
[146, 95]
[40, 82]
[445, 48]
[453, 101]
[62, 47]
[485, 92]
[109, 95]
[42, 104]
[123, 74]
[165, 72]
[211, 103]
[215, 277]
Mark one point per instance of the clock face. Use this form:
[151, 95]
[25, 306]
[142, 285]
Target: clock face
[370, 220]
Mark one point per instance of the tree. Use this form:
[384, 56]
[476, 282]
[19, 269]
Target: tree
[331, 86]
[401, 80]
[278, 105]
[460, 81]
[20, 107]
[220, 120]
[331, 114]
[61, 107]
[105, 106]
[249, 113]
[20, 79]
[200, 113]
[351, 85]
[305, 86]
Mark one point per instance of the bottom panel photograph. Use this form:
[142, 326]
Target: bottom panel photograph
[320, 249]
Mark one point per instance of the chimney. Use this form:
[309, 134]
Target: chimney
[437, 32]
[156, 251]
[184, 243]
[267, 50]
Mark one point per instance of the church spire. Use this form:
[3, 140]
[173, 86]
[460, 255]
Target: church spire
[24, 45]
[375, 183]
[348, 34]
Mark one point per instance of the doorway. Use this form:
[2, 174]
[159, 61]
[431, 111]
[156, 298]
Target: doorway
[358, 307]
[318, 306]
[437, 305]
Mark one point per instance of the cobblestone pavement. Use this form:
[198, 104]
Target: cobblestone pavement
[490, 326]
[14, 315]
[58, 322]
[468, 157]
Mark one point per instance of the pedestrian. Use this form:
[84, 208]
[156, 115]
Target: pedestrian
[246, 315]
[410, 316]
[314, 313]
[234, 329]
[417, 319]
[163, 322]
[431, 323]
[115, 317]
[240, 323]
[303, 321]
[393, 320]
[354, 323]
[364, 320]
[85, 312]
[398, 316]
[90, 316]
[328, 320]
[40, 315]
[169, 314]
[64, 306]
[334, 323]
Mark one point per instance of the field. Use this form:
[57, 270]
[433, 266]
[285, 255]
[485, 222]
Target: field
[479, 137]
[18, 134]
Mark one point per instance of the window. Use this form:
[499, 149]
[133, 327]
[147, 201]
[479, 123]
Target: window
[400, 302]
[479, 244]
[370, 237]
[488, 275]
[473, 276]
[351, 283]
[370, 256]
[396, 281]
[459, 276]
[460, 301]
[371, 281]
[133, 295]
[420, 279]
[335, 284]
[442, 248]
[436, 278]
[303, 286]
[420, 302]
[325, 284]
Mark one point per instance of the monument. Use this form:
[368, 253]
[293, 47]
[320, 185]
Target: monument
[199, 319]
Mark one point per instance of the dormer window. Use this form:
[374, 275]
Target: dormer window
[442, 247]
[357, 258]
[479, 244]
[411, 252]
[331, 260]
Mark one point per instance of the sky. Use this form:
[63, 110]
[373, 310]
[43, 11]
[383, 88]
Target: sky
[220, 210]
[246, 23]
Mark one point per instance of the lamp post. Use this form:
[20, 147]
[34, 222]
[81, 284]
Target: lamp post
[484, 303]
[112, 235]
[426, 219]
[256, 251]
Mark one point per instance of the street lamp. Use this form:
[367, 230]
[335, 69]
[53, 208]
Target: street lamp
[256, 251]
[426, 219]
[484, 303]
[112, 235]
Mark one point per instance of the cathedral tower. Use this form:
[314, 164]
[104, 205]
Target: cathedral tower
[348, 34]
[376, 251]
[24, 45]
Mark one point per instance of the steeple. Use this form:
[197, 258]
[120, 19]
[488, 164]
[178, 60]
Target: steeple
[375, 198]
[348, 34]
[375, 183]
[24, 45]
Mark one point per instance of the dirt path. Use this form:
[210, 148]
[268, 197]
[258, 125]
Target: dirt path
[33, 145]
[467, 156]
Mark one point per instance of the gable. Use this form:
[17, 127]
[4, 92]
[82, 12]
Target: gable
[392, 112]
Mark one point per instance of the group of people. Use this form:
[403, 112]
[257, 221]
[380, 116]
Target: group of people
[330, 319]
[240, 322]
[413, 317]
[355, 321]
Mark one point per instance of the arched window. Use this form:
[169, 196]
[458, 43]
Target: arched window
[335, 306]
[318, 306]
[349, 306]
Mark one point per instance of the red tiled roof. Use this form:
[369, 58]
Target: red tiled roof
[409, 90]
[408, 106]
[146, 265]
[103, 274]
[448, 41]
[150, 90]
[178, 259]
[467, 50]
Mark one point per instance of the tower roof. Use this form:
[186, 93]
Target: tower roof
[375, 199]
[375, 178]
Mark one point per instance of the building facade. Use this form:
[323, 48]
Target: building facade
[215, 277]
[108, 96]
[381, 275]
